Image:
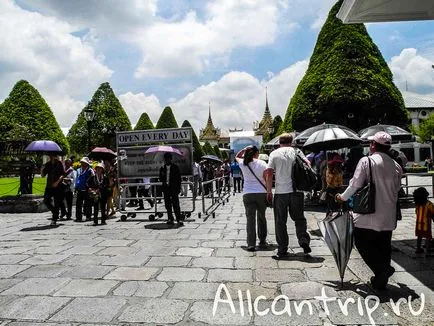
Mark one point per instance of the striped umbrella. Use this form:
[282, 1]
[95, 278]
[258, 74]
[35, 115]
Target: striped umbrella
[331, 139]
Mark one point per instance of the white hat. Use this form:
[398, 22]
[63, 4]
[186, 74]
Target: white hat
[100, 165]
[86, 160]
[382, 138]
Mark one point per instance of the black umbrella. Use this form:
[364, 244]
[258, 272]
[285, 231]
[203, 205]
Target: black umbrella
[397, 133]
[212, 158]
[304, 135]
[331, 139]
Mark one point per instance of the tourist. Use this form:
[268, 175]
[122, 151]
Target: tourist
[54, 171]
[98, 185]
[286, 198]
[254, 195]
[83, 203]
[373, 232]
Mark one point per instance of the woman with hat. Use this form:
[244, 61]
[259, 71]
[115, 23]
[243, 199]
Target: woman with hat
[334, 179]
[84, 173]
[98, 193]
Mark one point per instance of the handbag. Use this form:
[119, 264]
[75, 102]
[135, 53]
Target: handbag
[364, 198]
[267, 203]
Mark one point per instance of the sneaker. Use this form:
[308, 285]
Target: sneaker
[180, 223]
[251, 248]
[78, 221]
[103, 223]
[263, 245]
[280, 255]
[377, 285]
[306, 248]
[53, 223]
[170, 222]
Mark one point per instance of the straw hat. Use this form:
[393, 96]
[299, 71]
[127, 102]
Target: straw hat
[85, 160]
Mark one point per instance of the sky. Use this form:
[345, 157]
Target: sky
[186, 54]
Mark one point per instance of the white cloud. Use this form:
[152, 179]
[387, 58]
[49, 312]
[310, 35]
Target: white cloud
[136, 104]
[414, 69]
[42, 51]
[238, 98]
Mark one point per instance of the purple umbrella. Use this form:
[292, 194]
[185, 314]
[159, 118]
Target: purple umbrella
[164, 149]
[43, 146]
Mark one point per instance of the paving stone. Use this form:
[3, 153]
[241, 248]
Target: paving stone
[45, 259]
[230, 275]
[49, 250]
[18, 323]
[306, 290]
[8, 283]
[202, 311]
[205, 236]
[195, 252]
[213, 262]
[255, 262]
[159, 311]
[279, 275]
[7, 271]
[302, 262]
[89, 271]
[414, 278]
[157, 251]
[233, 252]
[84, 260]
[194, 291]
[328, 274]
[82, 250]
[168, 261]
[147, 289]
[37, 286]
[12, 259]
[90, 310]
[280, 317]
[113, 251]
[32, 307]
[86, 288]
[254, 288]
[86, 242]
[43, 271]
[132, 273]
[180, 274]
[115, 243]
[218, 244]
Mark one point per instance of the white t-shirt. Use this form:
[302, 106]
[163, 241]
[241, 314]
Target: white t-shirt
[281, 161]
[251, 184]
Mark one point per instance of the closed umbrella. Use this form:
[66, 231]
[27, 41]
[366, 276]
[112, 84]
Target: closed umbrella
[47, 146]
[331, 139]
[337, 229]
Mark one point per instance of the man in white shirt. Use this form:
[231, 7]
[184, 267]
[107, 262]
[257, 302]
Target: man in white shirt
[197, 178]
[373, 232]
[286, 199]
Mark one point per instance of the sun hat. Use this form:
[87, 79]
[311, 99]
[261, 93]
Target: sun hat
[85, 160]
[100, 165]
[382, 138]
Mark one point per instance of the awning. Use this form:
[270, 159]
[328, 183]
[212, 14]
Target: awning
[370, 11]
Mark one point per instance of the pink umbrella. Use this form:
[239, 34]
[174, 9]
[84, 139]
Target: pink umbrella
[163, 149]
[102, 153]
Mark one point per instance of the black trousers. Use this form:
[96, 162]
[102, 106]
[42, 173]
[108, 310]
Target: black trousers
[142, 192]
[237, 184]
[101, 203]
[67, 210]
[171, 200]
[83, 204]
[50, 195]
[375, 247]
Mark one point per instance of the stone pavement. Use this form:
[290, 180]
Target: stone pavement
[127, 274]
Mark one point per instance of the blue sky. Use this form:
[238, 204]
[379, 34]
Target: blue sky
[185, 54]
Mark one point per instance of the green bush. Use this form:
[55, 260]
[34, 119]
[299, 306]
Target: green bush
[418, 169]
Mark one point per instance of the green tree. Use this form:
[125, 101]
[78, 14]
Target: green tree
[347, 82]
[26, 111]
[110, 117]
[167, 119]
[426, 129]
[225, 155]
[277, 122]
[197, 149]
[207, 148]
[144, 123]
[217, 151]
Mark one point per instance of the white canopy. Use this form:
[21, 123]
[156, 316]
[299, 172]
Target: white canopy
[369, 11]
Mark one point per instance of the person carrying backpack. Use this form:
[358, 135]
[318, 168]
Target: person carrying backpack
[286, 197]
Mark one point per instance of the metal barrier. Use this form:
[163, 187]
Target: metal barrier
[156, 210]
[406, 186]
[215, 192]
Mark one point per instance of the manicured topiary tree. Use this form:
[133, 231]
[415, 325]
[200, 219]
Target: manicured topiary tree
[167, 119]
[26, 109]
[347, 82]
[277, 122]
[110, 117]
[144, 123]
[207, 148]
[197, 149]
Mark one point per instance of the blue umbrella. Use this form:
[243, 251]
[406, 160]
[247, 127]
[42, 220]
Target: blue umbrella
[43, 146]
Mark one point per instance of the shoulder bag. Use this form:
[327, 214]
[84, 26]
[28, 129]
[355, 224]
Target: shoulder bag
[364, 198]
[267, 203]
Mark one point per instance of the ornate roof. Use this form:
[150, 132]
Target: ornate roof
[417, 101]
[267, 119]
[209, 132]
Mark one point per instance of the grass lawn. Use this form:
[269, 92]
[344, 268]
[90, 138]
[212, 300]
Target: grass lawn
[9, 186]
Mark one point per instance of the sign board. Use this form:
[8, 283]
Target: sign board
[133, 162]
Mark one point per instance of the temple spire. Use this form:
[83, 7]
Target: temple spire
[209, 124]
[267, 114]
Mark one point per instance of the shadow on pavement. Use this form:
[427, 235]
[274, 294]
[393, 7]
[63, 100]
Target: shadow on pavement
[40, 228]
[161, 226]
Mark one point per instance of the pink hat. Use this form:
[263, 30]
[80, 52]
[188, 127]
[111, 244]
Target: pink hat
[335, 159]
[382, 138]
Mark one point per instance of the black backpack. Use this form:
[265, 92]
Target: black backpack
[303, 177]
